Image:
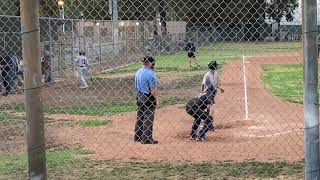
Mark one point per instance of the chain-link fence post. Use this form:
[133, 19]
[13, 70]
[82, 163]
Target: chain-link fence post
[32, 76]
[60, 55]
[115, 27]
[50, 50]
[311, 109]
[73, 41]
[100, 50]
[79, 31]
[259, 74]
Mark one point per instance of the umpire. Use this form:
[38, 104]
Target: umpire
[196, 108]
[146, 88]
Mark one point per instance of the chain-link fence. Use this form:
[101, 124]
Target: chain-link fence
[227, 81]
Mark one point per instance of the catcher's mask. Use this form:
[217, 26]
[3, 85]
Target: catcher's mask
[213, 65]
[149, 59]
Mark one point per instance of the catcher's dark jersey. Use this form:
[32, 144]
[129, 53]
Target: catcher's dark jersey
[200, 103]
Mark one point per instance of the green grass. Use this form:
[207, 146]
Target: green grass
[177, 66]
[260, 48]
[95, 122]
[285, 81]
[12, 164]
[84, 110]
[222, 52]
[4, 116]
[177, 63]
[99, 110]
[110, 109]
[93, 110]
[72, 163]
[15, 107]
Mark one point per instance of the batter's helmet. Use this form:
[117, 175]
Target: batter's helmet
[213, 65]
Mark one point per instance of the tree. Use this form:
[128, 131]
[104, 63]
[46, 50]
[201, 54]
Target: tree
[49, 8]
[10, 8]
[247, 14]
[277, 9]
[163, 14]
[137, 9]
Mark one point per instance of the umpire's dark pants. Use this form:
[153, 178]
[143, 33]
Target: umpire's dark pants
[8, 80]
[199, 114]
[145, 116]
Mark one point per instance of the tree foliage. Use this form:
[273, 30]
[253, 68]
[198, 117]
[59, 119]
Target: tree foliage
[277, 9]
[195, 12]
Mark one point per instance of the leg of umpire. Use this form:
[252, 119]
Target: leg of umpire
[148, 123]
[140, 117]
[148, 119]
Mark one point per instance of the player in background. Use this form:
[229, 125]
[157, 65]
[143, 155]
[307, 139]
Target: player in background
[83, 64]
[191, 49]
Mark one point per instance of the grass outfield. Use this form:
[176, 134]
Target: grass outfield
[285, 81]
[101, 110]
[282, 80]
[75, 164]
[177, 64]
[170, 66]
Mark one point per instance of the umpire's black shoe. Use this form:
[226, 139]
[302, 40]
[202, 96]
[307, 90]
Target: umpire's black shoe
[137, 139]
[152, 141]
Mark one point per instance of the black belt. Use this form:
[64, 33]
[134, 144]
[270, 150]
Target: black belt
[147, 94]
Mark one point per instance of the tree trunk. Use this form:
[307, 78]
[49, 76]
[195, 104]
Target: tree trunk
[277, 32]
[163, 17]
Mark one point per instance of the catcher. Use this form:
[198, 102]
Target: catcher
[197, 107]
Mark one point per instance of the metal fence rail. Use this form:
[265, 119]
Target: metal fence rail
[257, 116]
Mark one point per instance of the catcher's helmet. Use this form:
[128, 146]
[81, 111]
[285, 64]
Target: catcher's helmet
[213, 65]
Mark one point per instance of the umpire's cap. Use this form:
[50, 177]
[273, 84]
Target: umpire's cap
[213, 65]
[149, 59]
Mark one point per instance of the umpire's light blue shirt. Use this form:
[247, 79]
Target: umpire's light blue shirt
[144, 80]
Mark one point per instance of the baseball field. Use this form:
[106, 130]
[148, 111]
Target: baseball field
[89, 133]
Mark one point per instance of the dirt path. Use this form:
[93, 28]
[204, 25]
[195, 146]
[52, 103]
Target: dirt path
[273, 131]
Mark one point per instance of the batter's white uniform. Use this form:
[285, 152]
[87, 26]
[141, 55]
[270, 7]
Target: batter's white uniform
[210, 79]
[83, 63]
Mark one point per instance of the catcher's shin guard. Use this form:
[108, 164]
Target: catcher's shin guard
[210, 123]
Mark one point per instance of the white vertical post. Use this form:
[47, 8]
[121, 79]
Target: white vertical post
[245, 88]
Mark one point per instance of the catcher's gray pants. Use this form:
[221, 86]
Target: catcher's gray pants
[83, 76]
[145, 117]
[199, 115]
